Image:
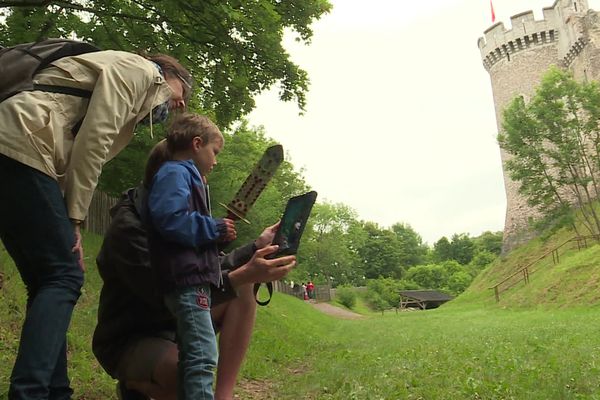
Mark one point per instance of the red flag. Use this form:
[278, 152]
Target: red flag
[493, 13]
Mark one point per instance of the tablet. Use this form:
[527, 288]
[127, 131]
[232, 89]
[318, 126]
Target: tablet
[292, 224]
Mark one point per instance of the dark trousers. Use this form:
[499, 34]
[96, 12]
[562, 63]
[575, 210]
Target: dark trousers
[37, 233]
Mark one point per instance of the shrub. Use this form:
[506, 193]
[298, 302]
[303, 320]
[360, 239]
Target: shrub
[346, 296]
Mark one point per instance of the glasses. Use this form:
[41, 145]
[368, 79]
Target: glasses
[186, 83]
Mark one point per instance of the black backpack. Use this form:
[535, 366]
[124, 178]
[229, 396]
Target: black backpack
[18, 65]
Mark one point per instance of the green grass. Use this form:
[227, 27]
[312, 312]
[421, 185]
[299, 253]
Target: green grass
[449, 353]
[540, 342]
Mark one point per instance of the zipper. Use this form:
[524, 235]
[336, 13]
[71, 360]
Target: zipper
[207, 192]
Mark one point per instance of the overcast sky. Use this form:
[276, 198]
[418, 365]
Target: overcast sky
[400, 121]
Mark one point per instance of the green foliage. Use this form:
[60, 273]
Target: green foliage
[411, 245]
[458, 282]
[384, 293]
[328, 249]
[233, 50]
[554, 143]
[381, 253]
[346, 295]
[460, 248]
[488, 241]
[481, 260]
[430, 276]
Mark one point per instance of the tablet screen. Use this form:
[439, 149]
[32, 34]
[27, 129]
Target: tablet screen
[293, 223]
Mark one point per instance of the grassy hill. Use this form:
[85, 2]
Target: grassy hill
[573, 281]
[540, 342]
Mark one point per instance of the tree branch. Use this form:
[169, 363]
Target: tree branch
[71, 6]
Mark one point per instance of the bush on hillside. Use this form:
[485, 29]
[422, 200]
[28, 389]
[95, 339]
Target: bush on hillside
[346, 296]
[378, 303]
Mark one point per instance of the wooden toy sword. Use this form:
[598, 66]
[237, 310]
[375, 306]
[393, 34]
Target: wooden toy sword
[255, 183]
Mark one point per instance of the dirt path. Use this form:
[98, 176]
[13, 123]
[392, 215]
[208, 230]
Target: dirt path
[336, 311]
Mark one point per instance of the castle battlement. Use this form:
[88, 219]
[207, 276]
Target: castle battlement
[499, 42]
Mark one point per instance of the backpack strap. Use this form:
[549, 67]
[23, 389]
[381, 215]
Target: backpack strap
[71, 91]
[269, 286]
[86, 94]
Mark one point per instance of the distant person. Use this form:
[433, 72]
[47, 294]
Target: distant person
[52, 150]
[134, 339]
[310, 289]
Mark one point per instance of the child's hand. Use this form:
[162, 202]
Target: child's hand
[230, 234]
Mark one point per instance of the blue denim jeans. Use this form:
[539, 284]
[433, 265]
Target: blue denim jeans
[38, 235]
[196, 341]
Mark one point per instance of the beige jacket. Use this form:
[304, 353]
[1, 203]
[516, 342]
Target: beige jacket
[35, 127]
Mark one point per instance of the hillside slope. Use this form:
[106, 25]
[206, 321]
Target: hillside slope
[573, 281]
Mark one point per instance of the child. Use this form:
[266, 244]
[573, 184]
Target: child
[183, 240]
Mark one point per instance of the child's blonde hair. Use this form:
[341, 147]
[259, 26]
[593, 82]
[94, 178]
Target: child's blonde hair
[158, 155]
[185, 127]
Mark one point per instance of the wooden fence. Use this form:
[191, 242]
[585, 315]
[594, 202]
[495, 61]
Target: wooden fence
[98, 217]
[522, 274]
[322, 292]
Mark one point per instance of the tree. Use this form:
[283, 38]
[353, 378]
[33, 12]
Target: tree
[458, 282]
[461, 248]
[442, 250]
[411, 244]
[328, 251]
[430, 276]
[554, 144]
[381, 253]
[233, 49]
[488, 241]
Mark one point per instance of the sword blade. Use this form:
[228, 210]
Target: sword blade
[255, 183]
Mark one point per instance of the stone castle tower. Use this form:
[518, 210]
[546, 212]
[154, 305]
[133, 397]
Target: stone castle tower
[568, 36]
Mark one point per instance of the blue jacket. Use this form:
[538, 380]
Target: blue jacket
[182, 234]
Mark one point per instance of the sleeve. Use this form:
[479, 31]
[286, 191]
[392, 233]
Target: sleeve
[238, 257]
[118, 89]
[168, 205]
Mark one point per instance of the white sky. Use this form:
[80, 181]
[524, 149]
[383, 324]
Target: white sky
[400, 121]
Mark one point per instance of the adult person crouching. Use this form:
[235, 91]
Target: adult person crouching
[134, 339]
[48, 176]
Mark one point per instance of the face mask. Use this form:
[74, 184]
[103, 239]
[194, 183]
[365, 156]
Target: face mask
[160, 113]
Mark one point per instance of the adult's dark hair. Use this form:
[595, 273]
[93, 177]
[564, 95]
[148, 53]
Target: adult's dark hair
[173, 69]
